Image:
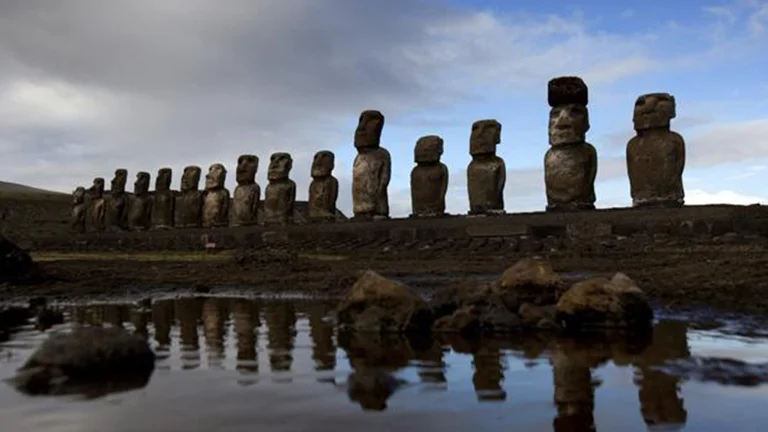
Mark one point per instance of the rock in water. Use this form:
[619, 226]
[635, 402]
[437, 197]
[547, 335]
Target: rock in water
[530, 280]
[88, 358]
[16, 266]
[377, 304]
[600, 302]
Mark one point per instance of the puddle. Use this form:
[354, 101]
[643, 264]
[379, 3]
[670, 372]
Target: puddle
[243, 364]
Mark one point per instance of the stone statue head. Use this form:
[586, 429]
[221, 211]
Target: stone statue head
[190, 179]
[369, 127]
[654, 110]
[428, 149]
[216, 176]
[247, 166]
[323, 164]
[141, 185]
[78, 196]
[567, 90]
[486, 135]
[119, 181]
[163, 180]
[280, 165]
[97, 189]
[568, 124]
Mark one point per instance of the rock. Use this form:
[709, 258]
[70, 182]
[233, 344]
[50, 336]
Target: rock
[447, 300]
[465, 320]
[16, 266]
[375, 303]
[371, 388]
[86, 357]
[530, 280]
[539, 317]
[600, 302]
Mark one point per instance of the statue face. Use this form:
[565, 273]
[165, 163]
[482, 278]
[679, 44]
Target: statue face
[141, 185]
[323, 164]
[486, 135]
[369, 127]
[190, 179]
[280, 165]
[247, 165]
[163, 180]
[78, 196]
[216, 176]
[97, 189]
[119, 181]
[568, 124]
[428, 149]
[654, 110]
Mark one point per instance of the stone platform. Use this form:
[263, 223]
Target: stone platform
[705, 221]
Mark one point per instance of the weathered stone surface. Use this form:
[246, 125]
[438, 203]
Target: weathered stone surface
[247, 194]
[117, 202]
[79, 210]
[656, 155]
[280, 194]
[429, 178]
[530, 280]
[89, 356]
[16, 266]
[372, 169]
[324, 188]
[567, 90]
[189, 203]
[97, 207]
[377, 304]
[600, 302]
[486, 173]
[140, 210]
[538, 317]
[163, 201]
[570, 165]
[215, 198]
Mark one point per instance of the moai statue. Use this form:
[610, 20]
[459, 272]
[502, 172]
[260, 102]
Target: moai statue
[188, 209]
[163, 201]
[487, 173]
[216, 198]
[570, 165]
[656, 155]
[280, 194]
[429, 178]
[140, 210]
[247, 192]
[324, 189]
[372, 169]
[97, 207]
[117, 202]
[79, 210]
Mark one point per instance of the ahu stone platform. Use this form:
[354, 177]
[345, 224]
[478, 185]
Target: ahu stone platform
[688, 221]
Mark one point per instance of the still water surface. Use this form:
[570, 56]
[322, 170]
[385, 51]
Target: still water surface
[234, 364]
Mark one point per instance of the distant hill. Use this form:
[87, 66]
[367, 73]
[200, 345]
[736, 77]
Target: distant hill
[15, 188]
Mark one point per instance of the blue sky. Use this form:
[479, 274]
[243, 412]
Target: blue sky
[80, 97]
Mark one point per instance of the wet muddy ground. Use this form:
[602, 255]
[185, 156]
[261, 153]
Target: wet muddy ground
[721, 276]
[245, 363]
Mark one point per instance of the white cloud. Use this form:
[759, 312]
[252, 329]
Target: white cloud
[698, 197]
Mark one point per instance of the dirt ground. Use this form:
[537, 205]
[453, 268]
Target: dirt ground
[731, 277]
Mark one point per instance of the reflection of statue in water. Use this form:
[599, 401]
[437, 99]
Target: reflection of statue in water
[321, 332]
[213, 328]
[489, 373]
[188, 311]
[245, 314]
[162, 320]
[660, 399]
[574, 394]
[281, 335]
[371, 388]
[140, 319]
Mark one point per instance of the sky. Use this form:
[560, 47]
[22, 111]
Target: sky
[88, 86]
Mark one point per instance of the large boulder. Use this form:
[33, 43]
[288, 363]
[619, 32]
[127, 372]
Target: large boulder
[87, 360]
[607, 303]
[530, 280]
[377, 304]
[16, 266]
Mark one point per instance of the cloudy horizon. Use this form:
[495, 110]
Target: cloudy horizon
[87, 87]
